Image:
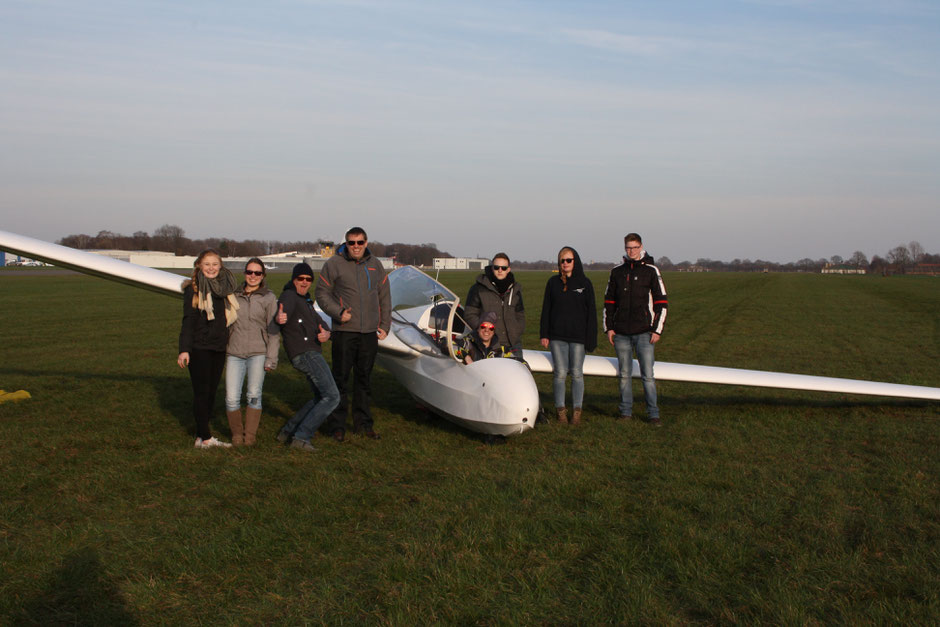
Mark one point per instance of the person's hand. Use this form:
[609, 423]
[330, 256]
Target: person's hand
[544, 342]
[468, 360]
[381, 333]
[281, 317]
[323, 334]
[183, 360]
[610, 336]
[346, 316]
[654, 338]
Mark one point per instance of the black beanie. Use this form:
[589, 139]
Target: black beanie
[301, 269]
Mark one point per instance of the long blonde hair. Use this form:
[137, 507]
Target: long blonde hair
[561, 274]
[197, 270]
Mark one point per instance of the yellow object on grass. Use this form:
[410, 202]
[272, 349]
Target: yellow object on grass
[19, 395]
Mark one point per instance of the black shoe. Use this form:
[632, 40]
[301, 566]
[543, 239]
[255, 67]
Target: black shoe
[370, 434]
[540, 418]
[282, 437]
[494, 440]
[339, 435]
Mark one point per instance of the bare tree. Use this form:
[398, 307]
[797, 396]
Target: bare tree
[836, 260]
[170, 237]
[900, 256]
[917, 251]
[858, 259]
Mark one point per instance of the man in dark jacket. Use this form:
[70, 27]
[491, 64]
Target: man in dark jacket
[496, 290]
[482, 343]
[353, 291]
[304, 332]
[634, 316]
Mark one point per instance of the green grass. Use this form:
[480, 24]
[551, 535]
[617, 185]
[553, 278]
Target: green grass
[748, 505]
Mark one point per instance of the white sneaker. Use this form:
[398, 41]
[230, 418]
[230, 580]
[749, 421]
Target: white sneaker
[198, 442]
[211, 442]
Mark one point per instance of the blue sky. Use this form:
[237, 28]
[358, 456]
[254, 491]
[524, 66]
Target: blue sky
[754, 129]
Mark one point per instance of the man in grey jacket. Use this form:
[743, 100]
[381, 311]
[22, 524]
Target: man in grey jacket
[353, 291]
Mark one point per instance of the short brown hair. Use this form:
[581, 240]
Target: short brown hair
[632, 237]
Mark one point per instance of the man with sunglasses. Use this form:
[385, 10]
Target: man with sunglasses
[304, 333]
[496, 290]
[634, 317]
[483, 343]
[353, 291]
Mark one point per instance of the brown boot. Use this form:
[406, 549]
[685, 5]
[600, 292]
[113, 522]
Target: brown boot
[576, 419]
[252, 419]
[235, 423]
[562, 415]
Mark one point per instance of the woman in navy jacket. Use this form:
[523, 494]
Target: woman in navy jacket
[569, 328]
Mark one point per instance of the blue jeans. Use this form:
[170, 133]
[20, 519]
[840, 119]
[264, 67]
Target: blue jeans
[235, 370]
[314, 413]
[567, 357]
[625, 345]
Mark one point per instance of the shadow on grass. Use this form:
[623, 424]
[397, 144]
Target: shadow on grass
[78, 593]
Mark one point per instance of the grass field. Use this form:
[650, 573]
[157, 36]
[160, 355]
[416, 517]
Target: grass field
[747, 506]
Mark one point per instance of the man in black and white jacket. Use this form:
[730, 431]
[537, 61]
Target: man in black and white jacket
[634, 316]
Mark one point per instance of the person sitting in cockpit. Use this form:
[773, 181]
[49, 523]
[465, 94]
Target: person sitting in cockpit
[482, 343]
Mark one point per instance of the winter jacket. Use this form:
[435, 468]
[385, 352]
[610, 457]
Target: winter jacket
[358, 286]
[303, 323]
[510, 312]
[473, 345]
[197, 331]
[249, 335]
[635, 301]
[570, 314]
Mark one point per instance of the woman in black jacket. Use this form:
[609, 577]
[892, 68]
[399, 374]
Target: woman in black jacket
[569, 328]
[209, 307]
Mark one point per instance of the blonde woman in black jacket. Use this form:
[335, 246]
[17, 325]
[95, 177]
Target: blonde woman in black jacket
[209, 308]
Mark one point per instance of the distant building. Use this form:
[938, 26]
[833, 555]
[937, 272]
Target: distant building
[459, 263]
[842, 268]
[930, 269]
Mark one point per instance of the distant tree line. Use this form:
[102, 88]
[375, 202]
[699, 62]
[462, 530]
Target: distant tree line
[899, 260]
[171, 238]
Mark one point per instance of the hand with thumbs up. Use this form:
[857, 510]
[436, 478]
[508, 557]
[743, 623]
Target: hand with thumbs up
[323, 335]
[346, 316]
[281, 317]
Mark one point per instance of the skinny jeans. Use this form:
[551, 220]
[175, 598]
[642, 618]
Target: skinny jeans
[625, 345]
[567, 357]
[237, 370]
[304, 424]
[353, 352]
[205, 373]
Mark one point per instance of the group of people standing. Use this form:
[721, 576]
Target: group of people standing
[239, 328]
[352, 290]
[635, 306]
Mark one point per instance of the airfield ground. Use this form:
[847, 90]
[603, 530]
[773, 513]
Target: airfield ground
[748, 505]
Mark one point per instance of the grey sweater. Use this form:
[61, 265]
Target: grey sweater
[249, 335]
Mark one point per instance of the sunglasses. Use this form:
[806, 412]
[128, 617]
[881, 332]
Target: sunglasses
[568, 260]
[500, 267]
[355, 242]
[254, 272]
[304, 279]
[486, 326]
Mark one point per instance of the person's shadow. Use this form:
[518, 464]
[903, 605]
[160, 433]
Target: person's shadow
[77, 593]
